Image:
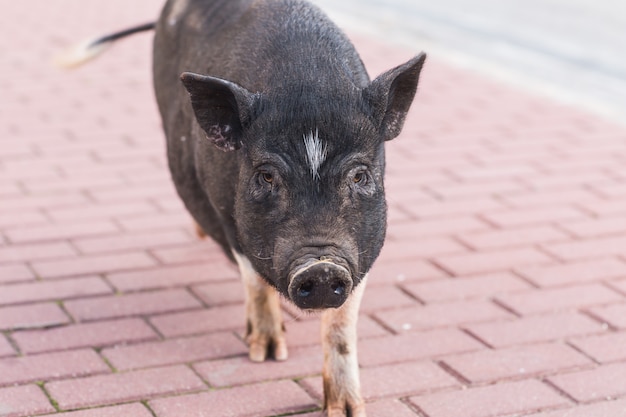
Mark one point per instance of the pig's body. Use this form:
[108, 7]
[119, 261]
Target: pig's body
[275, 141]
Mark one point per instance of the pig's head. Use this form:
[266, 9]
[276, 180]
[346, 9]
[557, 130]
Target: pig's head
[309, 202]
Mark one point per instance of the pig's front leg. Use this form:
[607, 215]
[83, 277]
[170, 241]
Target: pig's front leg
[265, 333]
[342, 393]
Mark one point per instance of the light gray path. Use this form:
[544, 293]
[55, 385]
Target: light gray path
[572, 50]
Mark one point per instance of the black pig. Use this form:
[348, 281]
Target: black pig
[275, 141]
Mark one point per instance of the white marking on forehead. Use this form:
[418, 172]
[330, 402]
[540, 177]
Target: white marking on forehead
[315, 152]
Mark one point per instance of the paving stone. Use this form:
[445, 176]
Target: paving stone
[607, 347]
[441, 315]
[123, 387]
[15, 273]
[271, 398]
[93, 264]
[172, 276]
[604, 382]
[136, 304]
[574, 272]
[48, 366]
[555, 299]
[241, 371]
[57, 290]
[614, 315]
[397, 380]
[32, 316]
[494, 400]
[23, 400]
[603, 409]
[411, 347]
[459, 288]
[174, 351]
[492, 261]
[96, 334]
[126, 410]
[200, 321]
[535, 329]
[516, 362]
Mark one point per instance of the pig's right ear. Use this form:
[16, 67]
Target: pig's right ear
[221, 108]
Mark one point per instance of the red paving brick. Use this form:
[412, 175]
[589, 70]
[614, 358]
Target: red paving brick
[603, 348]
[123, 387]
[603, 409]
[172, 351]
[200, 321]
[240, 371]
[441, 315]
[512, 398]
[57, 290]
[535, 329]
[415, 346]
[272, 398]
[15, 273]
[97, 334]
[555, 299]
[458, 288]
[126, 410]
[614, 315]
[492, 261]
[23, 400]
[604, 382]
[574, 272]
[50, 366]
[31, 316]
[516, 362]
[398, 380]
[136, 304]
[500, 290]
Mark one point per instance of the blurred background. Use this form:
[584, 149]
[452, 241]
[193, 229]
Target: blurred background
[573, 51]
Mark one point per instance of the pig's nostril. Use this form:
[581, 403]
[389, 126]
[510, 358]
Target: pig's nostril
[305, 289]
[338, 288]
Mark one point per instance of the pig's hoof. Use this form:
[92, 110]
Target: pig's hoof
[346, 410]
[263, 346]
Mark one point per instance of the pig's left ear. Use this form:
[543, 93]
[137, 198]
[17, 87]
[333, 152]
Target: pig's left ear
[221, 108]
[390, 95]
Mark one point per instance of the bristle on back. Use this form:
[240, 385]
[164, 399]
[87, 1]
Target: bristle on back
[81, 53]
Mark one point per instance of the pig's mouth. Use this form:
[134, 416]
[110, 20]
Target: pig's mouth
[319, 283]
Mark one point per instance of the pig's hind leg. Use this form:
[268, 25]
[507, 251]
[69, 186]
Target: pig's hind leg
[265, 332]
[342, 393]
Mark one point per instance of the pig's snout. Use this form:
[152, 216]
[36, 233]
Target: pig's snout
[320, 284]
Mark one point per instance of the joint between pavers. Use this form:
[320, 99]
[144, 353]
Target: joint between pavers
[408, 404]
[505, 307]
[454, 373]
[104, 359]
[559, 391]
[150, 410]
[53, 402]
[476, 337]
[382, 324]
[606, 326]
[12, 343]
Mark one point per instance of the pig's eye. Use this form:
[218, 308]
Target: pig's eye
[267, 177]
[360, 178]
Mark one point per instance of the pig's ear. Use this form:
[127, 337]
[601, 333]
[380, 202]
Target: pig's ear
[390, 95]
[221, 108]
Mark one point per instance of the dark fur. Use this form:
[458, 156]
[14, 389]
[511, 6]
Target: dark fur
[290, 71]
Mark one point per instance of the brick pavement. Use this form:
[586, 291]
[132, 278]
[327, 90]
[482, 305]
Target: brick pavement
[500, 292]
